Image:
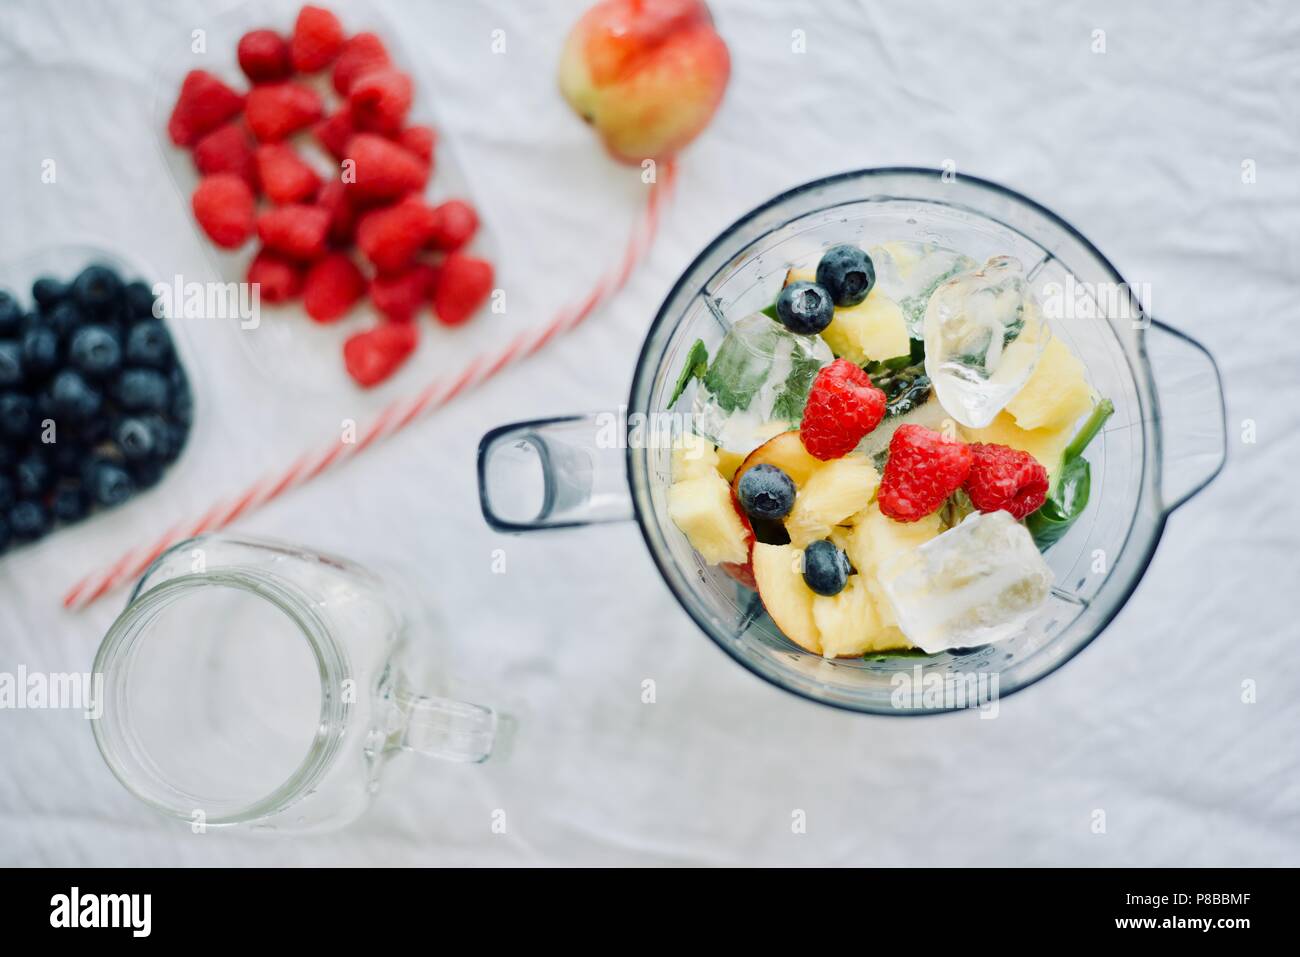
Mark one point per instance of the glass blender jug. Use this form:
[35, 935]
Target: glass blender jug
[1165, 441]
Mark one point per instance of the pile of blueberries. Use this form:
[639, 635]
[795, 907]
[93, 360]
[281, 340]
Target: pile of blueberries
[94, 403]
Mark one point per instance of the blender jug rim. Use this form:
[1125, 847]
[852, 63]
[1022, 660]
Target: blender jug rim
[642, 382]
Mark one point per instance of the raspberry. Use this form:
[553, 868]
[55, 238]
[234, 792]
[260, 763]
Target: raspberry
[264, 56]
[379, 100]
[278, 109]
[223, 206]
[361, 54]
[285, 177]
[204, 104]
[924, 468]
[400, 296]
[464, 283]
[420, 140]
[280, 278]
[294, 230]
[843, 406]
[343, 218]
[391, 237]
[1006, 479]
[333, 286]
[227, 149]
[383, 170]
[335, 131]
[454, 224]
[372, 356]
[317, 39]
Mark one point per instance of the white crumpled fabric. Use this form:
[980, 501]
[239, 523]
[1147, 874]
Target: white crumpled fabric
[1141, 148]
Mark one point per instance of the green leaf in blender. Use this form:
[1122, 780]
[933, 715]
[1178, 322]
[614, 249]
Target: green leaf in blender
[697, 363]
[739, 369]
[914, 306]
[896, 653]
[903, 380]
[1068, 496]
[794, 395]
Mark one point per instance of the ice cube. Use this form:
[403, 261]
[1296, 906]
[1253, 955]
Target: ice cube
[757, 384]
[909, 272]
[975, 584]
[984, 334]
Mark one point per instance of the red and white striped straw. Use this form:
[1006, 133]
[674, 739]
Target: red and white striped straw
[393, 418]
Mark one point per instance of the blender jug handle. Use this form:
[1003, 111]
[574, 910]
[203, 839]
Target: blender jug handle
[1190, 412]
[442, 727]
[554, 473]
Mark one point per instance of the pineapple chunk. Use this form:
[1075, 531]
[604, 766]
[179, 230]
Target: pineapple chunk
[1045, 445]
[702, 509]
[799, 275]
[835, 491]
[1057, 392]
[873, 329]
[788, 600]
[728, 462]
[876, 539]
[693, 457]
[846, 622]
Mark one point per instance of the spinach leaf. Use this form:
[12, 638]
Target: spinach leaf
[793, 397]
[1069, 495]
[739, 368]
[697, 363]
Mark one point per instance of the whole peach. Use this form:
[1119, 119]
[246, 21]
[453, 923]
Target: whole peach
[647, 74]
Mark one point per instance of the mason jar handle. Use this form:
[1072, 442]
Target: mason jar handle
[554, 473]
[442, 728]
[1190, 411]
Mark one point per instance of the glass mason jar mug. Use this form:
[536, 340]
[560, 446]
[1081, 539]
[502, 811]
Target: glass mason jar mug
[1161, 445]
[261, 684]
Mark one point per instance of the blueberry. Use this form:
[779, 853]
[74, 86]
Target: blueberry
[766, 492]
[95, 351]
[93, 431]
[28, 521]
[110, 484]
[47, 291]
[16, 415]
[98, 290]
[70, 504]
[8, 494]
[825, 567]
[147, 474]
[142, 390]
[137, 439]
[8, 454]
[11, 317]
[149, 344]
[5, 535]
[33, 475]
[67, 458]
[805, 308]
[64, 318]
[40, 350]
[139, 301]
[11, 363]
[848, 274]
[74, 398]
[182, 410]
